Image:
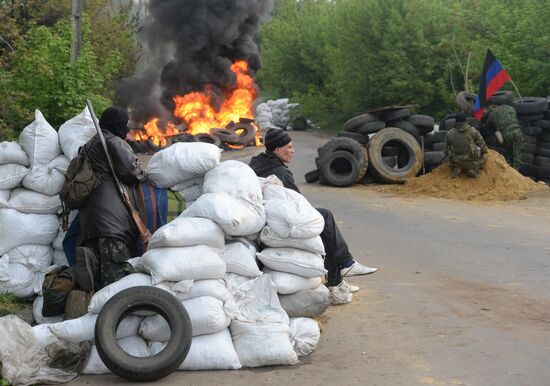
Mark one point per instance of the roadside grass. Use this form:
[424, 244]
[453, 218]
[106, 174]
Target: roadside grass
[9, 304]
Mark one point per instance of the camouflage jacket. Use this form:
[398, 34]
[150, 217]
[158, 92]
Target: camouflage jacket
[502, 117]
[464, 143]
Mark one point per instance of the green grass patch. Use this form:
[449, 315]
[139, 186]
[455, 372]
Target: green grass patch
[9, 304]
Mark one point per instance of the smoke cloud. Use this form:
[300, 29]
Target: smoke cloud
[187, 44]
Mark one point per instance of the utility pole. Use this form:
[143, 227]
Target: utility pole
[76, 40]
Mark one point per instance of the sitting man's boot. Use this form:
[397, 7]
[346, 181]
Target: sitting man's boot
[84, 273]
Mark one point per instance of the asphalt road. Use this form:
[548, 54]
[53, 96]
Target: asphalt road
[462, 295]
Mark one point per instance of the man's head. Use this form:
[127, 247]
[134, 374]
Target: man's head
[460, 118]
[115, 119]
[278, 142]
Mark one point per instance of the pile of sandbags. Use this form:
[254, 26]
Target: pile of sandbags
[275, 114]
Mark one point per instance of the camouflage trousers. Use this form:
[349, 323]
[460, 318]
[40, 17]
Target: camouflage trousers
[109, 261]
[513, 142]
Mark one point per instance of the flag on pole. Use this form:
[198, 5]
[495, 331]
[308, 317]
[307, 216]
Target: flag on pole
[493, 77]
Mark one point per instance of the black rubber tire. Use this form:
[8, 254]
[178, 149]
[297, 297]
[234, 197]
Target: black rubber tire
[382, 171]
[422, 121]
[543, 124]
[547, 115]
[450, 123]
[543, 145]
[545, 137]
[527, 158]
[361, 138]
[358, 120]
[371, 127]
[208, 138]
[439, 136]
[342, 143]
[226, 136]
[530, 105]
[530, 118]
[391, 151]
[502, 97]
[312, 176]
[529, 170]
[245, 132]
[408, 127]
[531, 139]
[341, 168]
[531, 130]
[394, 115]
[150, 368]
[542, 161]
[439, 146]
[529, 148]
[391, 161]
[465, 101]
[433, 157]
[541, 151]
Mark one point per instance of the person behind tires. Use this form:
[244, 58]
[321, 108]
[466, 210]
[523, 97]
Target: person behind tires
[107, 231]
[338, 260]
[504, 120]
[465, 148]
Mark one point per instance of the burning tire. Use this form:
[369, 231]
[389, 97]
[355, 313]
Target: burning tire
[410, 160]
[208, 138]
[149, 368]
[245, 132]
[341, 168]
[225, 135]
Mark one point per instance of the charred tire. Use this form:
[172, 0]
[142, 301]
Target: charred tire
[383, 171]
[225, 135]
[149, 368]
[465, 101]
[245, 132]
[342, 168]
[541, 151]
[408, 127]
[208, 138]
[355, 122]
[395, 115]
[530, 106]
[501, 98]
[312, 176]
[370, 127]
[361, 138]
[347, 144]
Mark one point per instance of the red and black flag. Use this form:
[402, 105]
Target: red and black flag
[493, 78]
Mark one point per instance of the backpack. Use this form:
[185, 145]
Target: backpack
[80, 183]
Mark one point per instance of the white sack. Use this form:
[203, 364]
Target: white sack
[40, 141]
[235, 178]
[29, 201]
[193, 182]
[288, 283]
[48, 178]
[103, 295]
[240, 258]
[59, 258]
[13, 153]
[207, 352]
[15, 278]
[37, 306]
[210, 287]
[191, 193]
[133, 345]
[75, 133]
[306, 303]
[304, 335]
[297, 219]
[58, 241]
[18, 229]
[4, 197]
[33, 256]
[185, 232]
[294, 261]
[237, 217]
[181, 162]
[272, 239]
[182, 263]
[11, 175]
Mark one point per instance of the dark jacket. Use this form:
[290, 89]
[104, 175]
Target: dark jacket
[266, 164]
[105, 214]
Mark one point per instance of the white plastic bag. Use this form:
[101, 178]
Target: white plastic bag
[58, 241]
[288, 283]
[18, 229]
[40, 141]
[181, 162]
[133, 345]
[184, 232]
[29, 201]
[75, 133]
[296, 219]
[48, 178]
[16, 278]
[271, 239]
[210, 287]
[59, 258]
[193, 182]
[306, 303]
[103, 295]
[240, 258]
[13, 153]
[11, 175]
[33, 256]
[4, 197]
[294, 261]
[304, 335]
[235, 178]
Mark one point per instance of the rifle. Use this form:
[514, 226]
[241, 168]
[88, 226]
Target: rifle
[144, 234]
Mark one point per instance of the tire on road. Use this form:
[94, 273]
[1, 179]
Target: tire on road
[312, 176]
[341, 168]
[347, 144]
[226, 136]
[413, 158]
[361, 138]
[208, 138]
[149, 368]
[245, 132]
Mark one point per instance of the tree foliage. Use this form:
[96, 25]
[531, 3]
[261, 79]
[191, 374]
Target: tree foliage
[341, 58]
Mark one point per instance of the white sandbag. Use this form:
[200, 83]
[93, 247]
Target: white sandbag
[58, 241]
[197, 181]
[273, 189]
[240, 258]
[182, 263]
[15, 278]
[75, 133]
[306, 303]
[4, 197]
[272, 239]
[207, 317]
[185, 232]
[43, 335]
[18, 229]
[181, 162]
[210, 287]
[24, 360]
[133, 345]
[29, 201]
[237, 217]
[288, 283]
[103, 295]
[207, 352]
[37, 306]
[191, 193]
[48, 178]
[33, 256]
[235, 178]
[294, 261]
[40, 141]
[304, 335]
[260, 345]
[13, 153]
[59, 258]
[296, 219]
[11, 175]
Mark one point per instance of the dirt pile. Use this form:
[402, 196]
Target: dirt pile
[497, 182]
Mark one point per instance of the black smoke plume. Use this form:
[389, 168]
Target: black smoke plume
[187, 44]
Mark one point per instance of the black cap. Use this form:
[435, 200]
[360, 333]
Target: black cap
[460, 117]
[276, 138]
[115, 119]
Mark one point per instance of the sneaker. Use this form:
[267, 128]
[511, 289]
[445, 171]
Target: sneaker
[357, 269]
[84, 274]
[340, 294]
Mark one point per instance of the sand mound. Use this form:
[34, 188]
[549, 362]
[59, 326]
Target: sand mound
[497, 182]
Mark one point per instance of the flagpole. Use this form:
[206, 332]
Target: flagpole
[513, 84]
